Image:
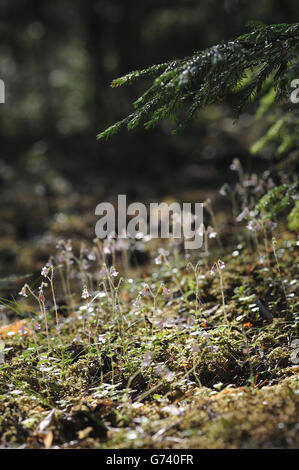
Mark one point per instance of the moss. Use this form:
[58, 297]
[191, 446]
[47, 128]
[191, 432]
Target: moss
[265, 340]
[241, 418]
[293, 218]
[207, 383]
[279, 357]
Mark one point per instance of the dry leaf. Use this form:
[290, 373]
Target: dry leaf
[45, 423]
[83, 433]
[18, 327]
[48, 439]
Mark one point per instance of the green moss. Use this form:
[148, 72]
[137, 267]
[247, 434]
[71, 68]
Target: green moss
[293, 218]
[279, 357]
[214, 391]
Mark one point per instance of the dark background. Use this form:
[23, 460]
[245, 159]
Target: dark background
[57, 60]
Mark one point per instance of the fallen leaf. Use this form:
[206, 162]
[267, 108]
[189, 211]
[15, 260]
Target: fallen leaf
[45, 423]
[48, 439]
[185, 365]
[18, 327]
[83, 433]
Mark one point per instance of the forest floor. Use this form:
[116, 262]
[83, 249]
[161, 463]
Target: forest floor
[170, 355]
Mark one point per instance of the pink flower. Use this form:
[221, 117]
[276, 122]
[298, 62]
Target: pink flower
[222, 190]
[211, 232]
[201, 230]
[45, 271]
[113, 272]
[253, 225]
[221, 264]
[235, 165]
[102, 339]
[158, 260]
[243, 214]
[213, 270]
[107, 250]
[91, 256]
[68, 245]
[23, 291]
[85, 293]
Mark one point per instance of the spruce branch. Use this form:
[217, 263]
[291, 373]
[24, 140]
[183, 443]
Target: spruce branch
[250, 65]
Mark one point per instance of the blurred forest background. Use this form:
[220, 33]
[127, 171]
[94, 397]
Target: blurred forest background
[57, 60]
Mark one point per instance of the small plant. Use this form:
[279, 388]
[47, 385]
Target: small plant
[218, 267]
[40, 298]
